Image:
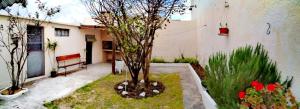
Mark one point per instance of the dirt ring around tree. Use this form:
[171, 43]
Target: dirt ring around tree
[154, 88]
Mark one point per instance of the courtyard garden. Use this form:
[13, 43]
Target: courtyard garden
[244, 78]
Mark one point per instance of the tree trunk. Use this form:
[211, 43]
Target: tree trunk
[146, 76]
[14, 84]
[135, 77]
[146, 69]
[113, 57]
[13, 88]
[135, 80]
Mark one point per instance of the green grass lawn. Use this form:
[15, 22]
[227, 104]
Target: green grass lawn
[101, 95]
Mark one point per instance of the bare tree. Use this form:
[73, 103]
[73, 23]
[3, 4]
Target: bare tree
[133, 24]
[13, 38]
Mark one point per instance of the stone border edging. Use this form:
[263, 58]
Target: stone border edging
[170, 64]
[208, 101]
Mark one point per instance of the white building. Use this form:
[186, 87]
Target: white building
[94, 41]
[72, 41]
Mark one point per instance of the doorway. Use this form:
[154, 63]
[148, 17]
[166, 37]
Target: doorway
[35, 60]
[89, 52]
[89, 48]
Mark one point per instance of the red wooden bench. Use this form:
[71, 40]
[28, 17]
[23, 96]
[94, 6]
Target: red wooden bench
[75, 59]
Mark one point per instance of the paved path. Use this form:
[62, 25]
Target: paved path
[53, 88]
[191, 96]
[50, 89]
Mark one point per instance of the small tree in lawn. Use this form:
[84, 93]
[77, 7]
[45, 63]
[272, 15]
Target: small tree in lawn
[13, 38]
[133, 24]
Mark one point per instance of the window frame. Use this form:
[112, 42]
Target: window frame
[61, 32]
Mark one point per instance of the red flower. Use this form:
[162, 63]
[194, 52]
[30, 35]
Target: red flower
[271, 87]
[242, 94]
[254, 83]
[259, 87]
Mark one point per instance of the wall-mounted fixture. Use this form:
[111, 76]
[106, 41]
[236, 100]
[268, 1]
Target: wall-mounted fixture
[202, 27]
[192, 6]
[226, 4]
[223, 31]
[269, 29]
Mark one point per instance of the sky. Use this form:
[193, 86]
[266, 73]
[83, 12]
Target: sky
[72, 11]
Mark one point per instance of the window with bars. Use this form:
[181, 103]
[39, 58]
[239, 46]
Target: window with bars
[60, 32]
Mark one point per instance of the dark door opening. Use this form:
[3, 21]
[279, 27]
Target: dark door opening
[89, 52]
[35, 60]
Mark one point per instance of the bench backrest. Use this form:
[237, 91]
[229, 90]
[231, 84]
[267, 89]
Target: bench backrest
[68, 57]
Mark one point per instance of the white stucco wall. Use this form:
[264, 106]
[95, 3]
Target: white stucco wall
[247, 21]
[74, 43]
[178, 37]
[4, 76]
[97, 45]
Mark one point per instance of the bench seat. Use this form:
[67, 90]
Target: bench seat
[75, 58]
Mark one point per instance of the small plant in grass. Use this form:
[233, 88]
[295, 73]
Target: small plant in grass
[271, 96]
[233, 73]
[190, 60]
[182, 59]
[158, 60]
[50, 105]
[194, 63]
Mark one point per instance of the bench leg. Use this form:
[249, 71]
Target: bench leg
[83, 66]
[65, 71]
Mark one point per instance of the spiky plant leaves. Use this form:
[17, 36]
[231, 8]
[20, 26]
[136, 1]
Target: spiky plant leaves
[227, 75]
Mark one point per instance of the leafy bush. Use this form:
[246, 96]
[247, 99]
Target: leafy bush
[227, 75]
[191, 60]
[158, 60]
[272, 96]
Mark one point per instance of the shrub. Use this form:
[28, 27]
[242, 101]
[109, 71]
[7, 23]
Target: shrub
[191, 60]
[271, 96]
[233, 73]
[158, 60]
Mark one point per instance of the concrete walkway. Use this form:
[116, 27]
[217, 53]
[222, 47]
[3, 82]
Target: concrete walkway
[53, 88]
[191, 96]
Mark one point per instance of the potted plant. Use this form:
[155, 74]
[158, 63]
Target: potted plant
[224, 31]
[51, 46]
[53, 73]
